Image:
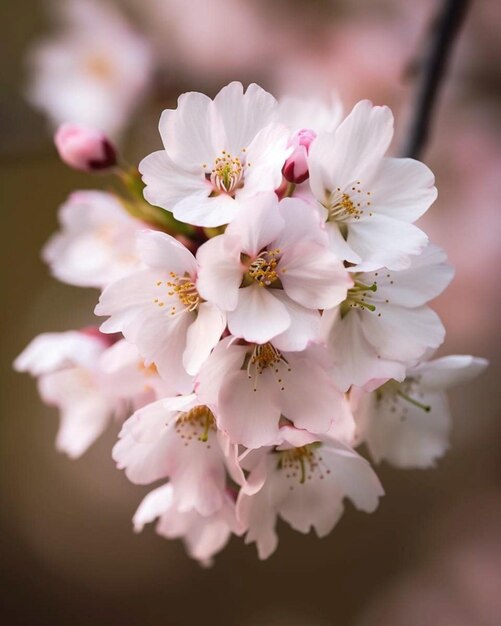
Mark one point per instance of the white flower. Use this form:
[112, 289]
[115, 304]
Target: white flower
[96, 243]
[369, 202]
[74, 374]
[272, 258]
[408, 423]
[177, 438]
[217, 152]
[94, 71]
[384, 324]
[304, 481]
[203, 536]
[159, 310]
[254, 386]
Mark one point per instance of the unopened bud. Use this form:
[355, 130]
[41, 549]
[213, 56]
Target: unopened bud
[295, 169]
[84, 149]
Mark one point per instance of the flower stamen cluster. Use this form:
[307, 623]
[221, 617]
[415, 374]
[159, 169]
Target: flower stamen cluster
[227, 174]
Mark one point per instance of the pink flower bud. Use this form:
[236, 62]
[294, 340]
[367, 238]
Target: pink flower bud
[84, 149]
[295, 169]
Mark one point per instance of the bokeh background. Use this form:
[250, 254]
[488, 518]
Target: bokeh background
[431, 553]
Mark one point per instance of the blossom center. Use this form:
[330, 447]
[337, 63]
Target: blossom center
[99, 67]
[197, 424]
[264, 269]
[182, 288]
[227, 174]
[347, 205]
[393, 393]
[266, 357]
[358, 297]
[147, 370]
[302, 463]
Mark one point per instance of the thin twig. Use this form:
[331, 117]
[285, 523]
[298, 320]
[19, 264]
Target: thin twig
[443, 30]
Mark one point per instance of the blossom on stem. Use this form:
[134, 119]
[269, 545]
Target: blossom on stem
[304, 481]
[257, 385]
[96, 243]
[408, 423]
[93, 71]
[160, 311]
[384, 324]
[369, 202]
[216, 153]
[203, 535]
[271, 271]
[85, 149]
[74, 374]
[177, 438]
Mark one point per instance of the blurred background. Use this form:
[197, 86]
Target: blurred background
[431, 554]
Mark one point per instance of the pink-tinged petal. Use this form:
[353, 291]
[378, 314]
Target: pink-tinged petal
[208, 538]
[292, 437]
[50, 351]
[343, 427]
[402, 334]
[312, 276]
[148, 424]
[136, 290]
[313, 503]
[383, 241]
[356, 362]
[144, 449]
[305, 326]
[427, 276]
[153, 505]
[265, 158]
[353, 475]
[405, 435]
[85, 412]
[203, 334]
[355, 148]
[249, 417]
[160, 251]
[448, 371]
[200, 483]
[338, 244]
[259, 222]
[180, 403]
[205, 210]
[167, 183]
[220, 273]
[302, 223]
[260, 518]
[95, 244]
[259, 316]
[203, 536]
[187, 132]
[309, 398]
[226, 357]
[403, 189]
[231, 458]
[163, 344]
[243, 114]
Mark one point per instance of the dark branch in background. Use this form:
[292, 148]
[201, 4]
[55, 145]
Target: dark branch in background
[443, 30]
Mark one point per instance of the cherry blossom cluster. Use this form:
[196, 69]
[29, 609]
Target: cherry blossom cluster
[267, 312]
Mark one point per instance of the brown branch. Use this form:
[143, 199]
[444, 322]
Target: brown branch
[443, 30]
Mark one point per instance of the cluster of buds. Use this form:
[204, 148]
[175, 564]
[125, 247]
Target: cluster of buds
[267, 313]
